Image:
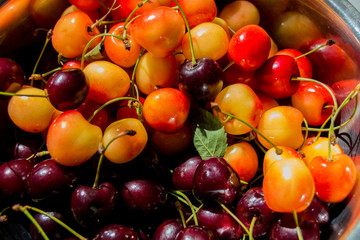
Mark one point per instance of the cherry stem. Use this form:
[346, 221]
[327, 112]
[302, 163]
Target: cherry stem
[174, 194]
[40, 76]
[101, 159]
[217, 109]
[48, 37]
[140, 4]
[228, 66]
[298, 230]
[334, 109]
[253, 220]
[88, 44]
[179, 208]
[110, 102]
[103, 17]
[236, 219]
[306, 133]
[328, 43]
[22, 95]
[134, 89]
[190, 205]
[18, 207]
[193, 59]
[58, 221]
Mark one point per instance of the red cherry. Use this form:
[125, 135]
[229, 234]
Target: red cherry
[303, 63]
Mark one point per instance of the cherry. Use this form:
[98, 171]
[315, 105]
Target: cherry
[303, 63]
[274, 76]
[252, 204]
[72, 132]
[272, 155]
[241, 49]
[46, 13]
[128, 6]
[25, 148]
[13, 176]
[183, 175]
[285, 227]
[52, 229]
[12, 76]
[161, 116]
[91, 206]
[86, 5]
[314, 101]
[168, 229]
[234, 74]
[320, 211]
[143, 195]
[67, 89]
[48, 178]
[195, 232]
[219, 222]
[214, 179]
[202, 81]
[116, 232]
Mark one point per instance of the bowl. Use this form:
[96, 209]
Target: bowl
[333, 17]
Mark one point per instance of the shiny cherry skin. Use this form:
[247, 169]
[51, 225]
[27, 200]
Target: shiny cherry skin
[272, 156]
[86, 5]
[48, 178]
[63, 131]
[74, 25]
[183, 174]
[219, 222]
[282, 125]
[285, 227]
[166, 109]
[67, 89]
[334, 179]
[274, 76]
[252, 204]
[202, 81]
[168, 229]
[249, 111]
[91, 206]
[13, 176]
[303, 63]
[127, 6]
[320, 211]
[313, 100]
[143, 195]
[46, 13]
[12, 76]
[288, 186]
[242, 50]
[197, 11]
[214, 179]
[159, 30]
[196, 232]
[339, 64]
[116, 232]
[234, 74]
[52, 229]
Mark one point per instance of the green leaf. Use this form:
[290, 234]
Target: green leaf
[210, 139]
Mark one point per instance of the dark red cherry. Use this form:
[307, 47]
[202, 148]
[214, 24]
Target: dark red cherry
[116, 232]
[91, 206]
[168, 230]
[13, 176]
[143, 195]
[285, 227]
[252, 204]
[219, 222]
[214, 179]
[67, 88]
[202, 81]
[48, 178]
[183, 174]
[319, 210]
[52, 229]
[274, 76]
[195, 232]
[12, 76]
[26, 147]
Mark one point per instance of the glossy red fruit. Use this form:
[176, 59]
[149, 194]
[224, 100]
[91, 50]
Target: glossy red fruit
[86, 5]
[274, 76]
[303, 63]
[249, 47]
[166, 109]
[12, 76]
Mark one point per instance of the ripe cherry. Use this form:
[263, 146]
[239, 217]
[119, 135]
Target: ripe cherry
[183, 175]
[116, 232]
[168, 229]
[12, 76]
[303, 63]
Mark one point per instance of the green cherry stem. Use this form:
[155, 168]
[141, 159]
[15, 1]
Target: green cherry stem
[217, 109]
[129, 18]
[40, 76]
[103, 17]
[101, 159]
[252, 224]
[306, 134]
[190, 205]
[298, 230]
[228, 66]
[193, 59]
[58, 221]
[134, 89]
[110, 102]
[179, 208]
[237, 220]
[328, 43]
[22, 209]
[21, 95]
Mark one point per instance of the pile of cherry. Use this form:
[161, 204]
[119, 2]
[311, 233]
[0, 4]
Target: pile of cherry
[187, 119]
